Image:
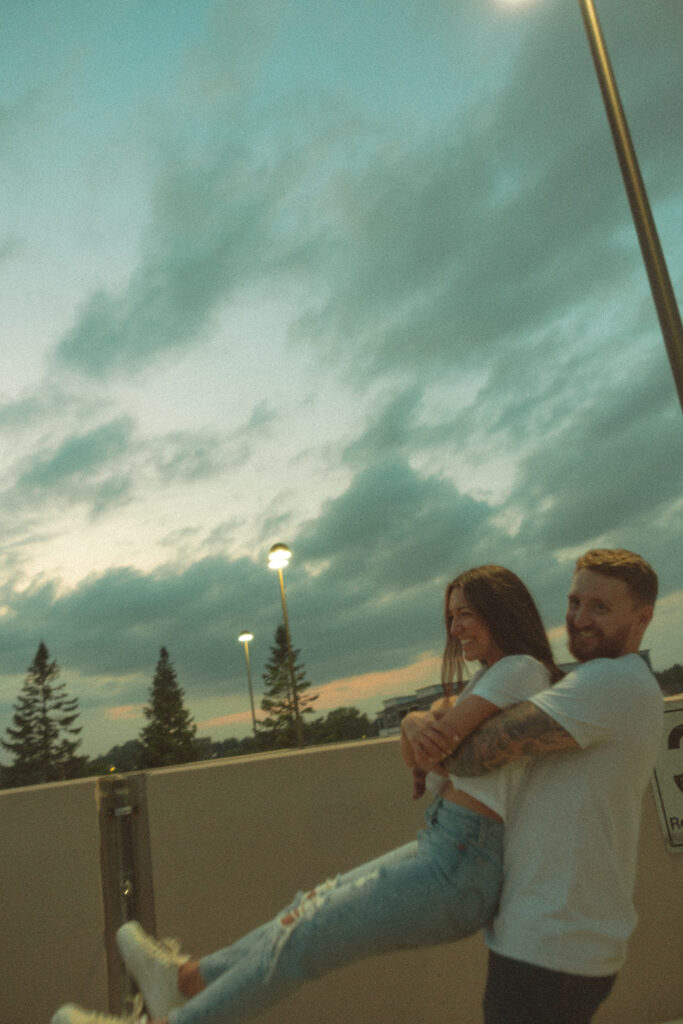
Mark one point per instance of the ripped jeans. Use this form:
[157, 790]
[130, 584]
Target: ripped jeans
[440, 888]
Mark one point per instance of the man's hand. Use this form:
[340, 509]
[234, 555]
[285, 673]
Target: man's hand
[522, 730]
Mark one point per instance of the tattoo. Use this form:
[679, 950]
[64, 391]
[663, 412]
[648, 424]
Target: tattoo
[522, 730]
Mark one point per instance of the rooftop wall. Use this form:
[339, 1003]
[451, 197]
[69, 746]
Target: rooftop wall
[218, 847]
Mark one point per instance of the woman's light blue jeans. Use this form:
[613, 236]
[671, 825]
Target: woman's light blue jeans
[438, 889]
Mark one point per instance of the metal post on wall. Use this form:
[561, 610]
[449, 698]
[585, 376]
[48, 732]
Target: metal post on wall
[125, 870]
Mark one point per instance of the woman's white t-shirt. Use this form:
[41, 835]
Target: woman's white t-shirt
[515, 678]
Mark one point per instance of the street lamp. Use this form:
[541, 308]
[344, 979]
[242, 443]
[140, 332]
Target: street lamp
[244, 638]
[653, 257]
[278, 558]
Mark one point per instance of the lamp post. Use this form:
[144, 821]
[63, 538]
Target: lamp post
[650, 247]
[244, 638]
[278, 558]
[653, 257]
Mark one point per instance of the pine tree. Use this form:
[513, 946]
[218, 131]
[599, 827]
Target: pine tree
[43, 738]
[169, 736]
[280, 728]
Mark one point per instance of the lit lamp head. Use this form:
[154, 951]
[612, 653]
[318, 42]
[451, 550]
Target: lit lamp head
[279, 556]
[245, 636]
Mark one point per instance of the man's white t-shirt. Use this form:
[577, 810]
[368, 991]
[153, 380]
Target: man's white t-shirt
[571, 836]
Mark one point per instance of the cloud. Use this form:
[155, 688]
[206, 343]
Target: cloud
[364, 592]
[125, 713]
[114, 624]
[39, 408]
[607, 470]
[220, 721]
[214, 228]
[353, 690]
[393, 527]
[78, 457]
[83, 469]
[386, 545]
[104, 466]
[423, 252]
[477, 376]
[186, 456]
[452, 253]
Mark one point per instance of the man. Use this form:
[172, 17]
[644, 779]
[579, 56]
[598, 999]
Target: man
[566, 910]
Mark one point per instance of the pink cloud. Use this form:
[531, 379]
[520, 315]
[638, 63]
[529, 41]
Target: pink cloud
[124, 712]
[380, 685]
[238, 717]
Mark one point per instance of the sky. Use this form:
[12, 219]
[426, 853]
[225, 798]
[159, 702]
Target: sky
[356, 277]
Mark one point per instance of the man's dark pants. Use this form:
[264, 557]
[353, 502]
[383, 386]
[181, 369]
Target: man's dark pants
[521, 993]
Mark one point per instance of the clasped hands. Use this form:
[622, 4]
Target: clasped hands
[431, 739]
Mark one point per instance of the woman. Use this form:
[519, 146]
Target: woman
[514, 626]
[440, 888]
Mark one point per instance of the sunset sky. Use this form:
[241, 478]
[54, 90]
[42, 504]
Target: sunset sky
[357, 277]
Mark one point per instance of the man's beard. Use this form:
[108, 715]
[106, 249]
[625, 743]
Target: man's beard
[598, 646]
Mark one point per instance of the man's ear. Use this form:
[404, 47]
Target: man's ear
[645, 615]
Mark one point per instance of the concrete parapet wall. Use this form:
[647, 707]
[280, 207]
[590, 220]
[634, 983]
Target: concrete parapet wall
[52, 923]
[222, 845]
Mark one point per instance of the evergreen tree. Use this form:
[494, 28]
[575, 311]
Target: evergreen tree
[169, 736]
[280, 728]
[44, 737]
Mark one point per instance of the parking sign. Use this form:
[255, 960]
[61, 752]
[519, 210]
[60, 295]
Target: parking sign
[667, 781]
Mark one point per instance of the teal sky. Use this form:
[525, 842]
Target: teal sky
[357, 277]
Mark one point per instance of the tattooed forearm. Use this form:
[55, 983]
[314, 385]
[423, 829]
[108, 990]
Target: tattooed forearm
[520, 731]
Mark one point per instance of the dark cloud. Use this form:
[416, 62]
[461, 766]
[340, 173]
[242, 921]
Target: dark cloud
[108, 464]
[386, 546]
[486, 258]
[41, 407]
[214, 229]
[609, 474]
[392, 428]
[454, 251]
[78, 457]
[364, 588]
[81, 469]
[114, 623]
[394, 529]
[452, 246]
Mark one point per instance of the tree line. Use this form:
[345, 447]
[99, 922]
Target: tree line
[44, 736]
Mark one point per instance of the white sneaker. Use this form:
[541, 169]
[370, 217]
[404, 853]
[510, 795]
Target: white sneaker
[72, 1014]
[154, 965]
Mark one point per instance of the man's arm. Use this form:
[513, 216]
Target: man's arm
[522, 730]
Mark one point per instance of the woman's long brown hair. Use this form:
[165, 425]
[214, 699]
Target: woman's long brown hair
[509, 611]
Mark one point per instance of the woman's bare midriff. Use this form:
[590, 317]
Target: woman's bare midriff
[456, 796]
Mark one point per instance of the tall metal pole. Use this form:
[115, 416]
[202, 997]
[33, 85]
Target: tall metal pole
[245, 636]
[292, 678]
[660, 282]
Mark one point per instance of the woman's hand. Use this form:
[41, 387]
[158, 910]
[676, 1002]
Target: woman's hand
[429, 738]
[419, 784]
